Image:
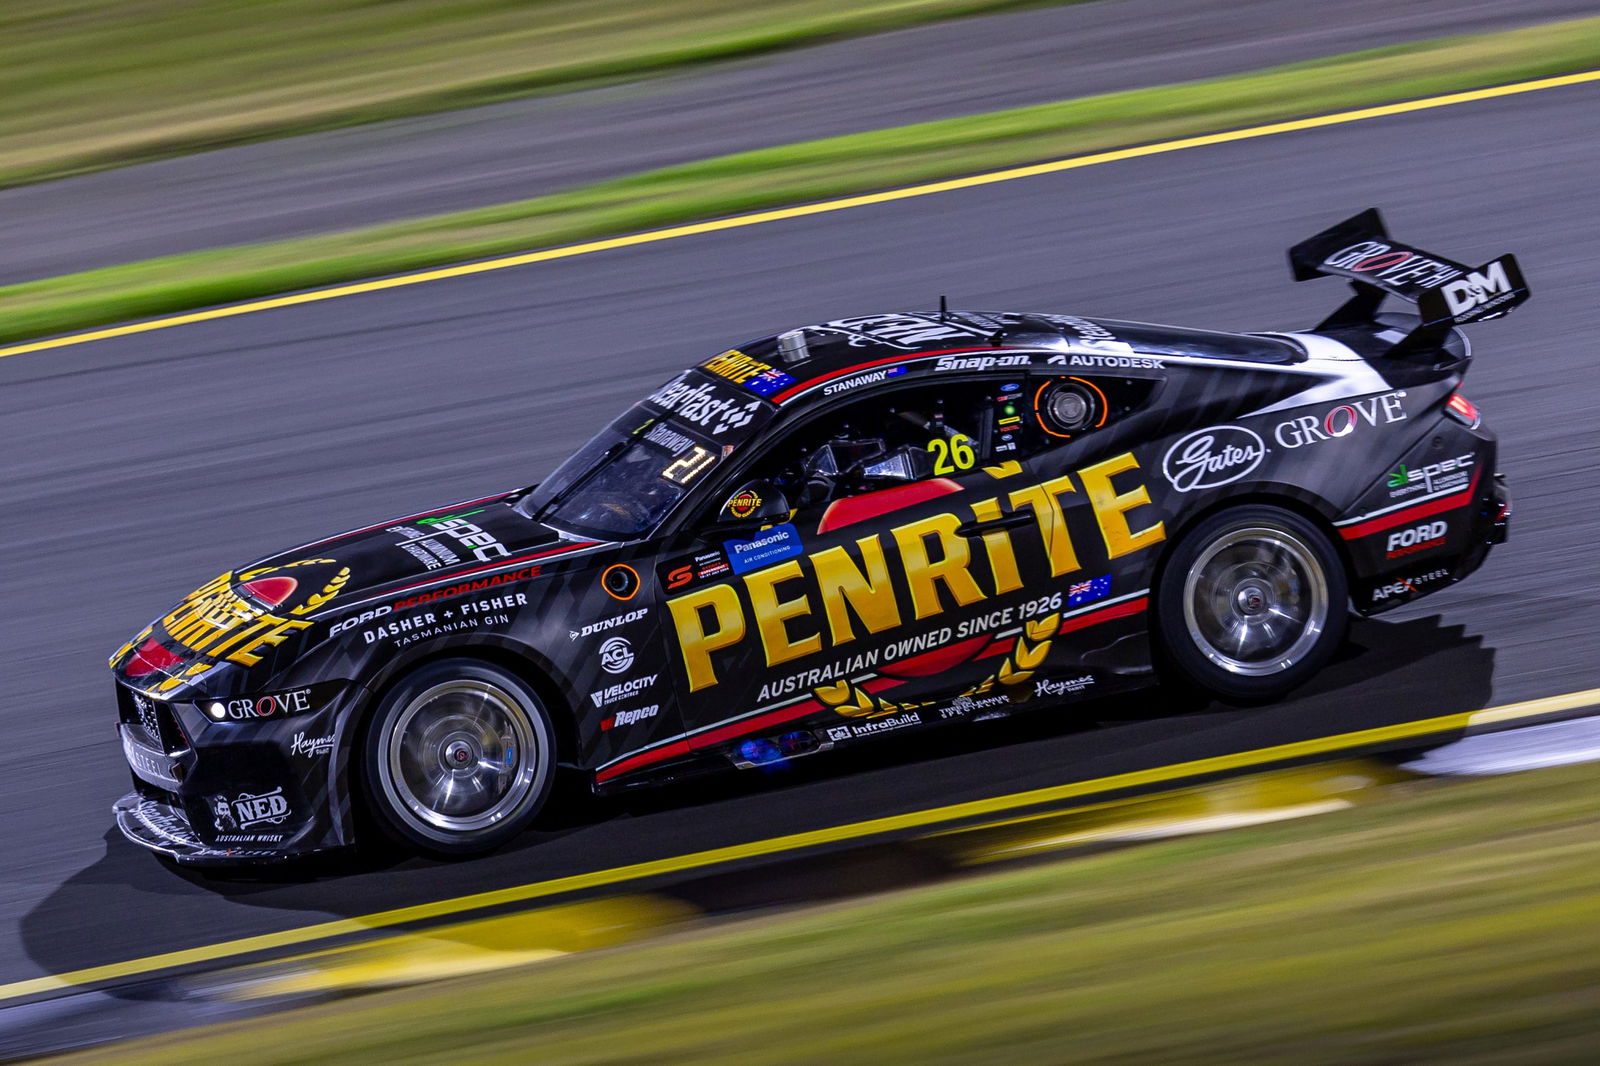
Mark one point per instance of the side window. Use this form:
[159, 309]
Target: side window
[878, 441]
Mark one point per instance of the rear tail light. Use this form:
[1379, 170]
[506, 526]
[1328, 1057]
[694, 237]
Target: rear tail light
[1463, 410]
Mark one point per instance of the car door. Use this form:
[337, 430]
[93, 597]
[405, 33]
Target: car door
[865, 611]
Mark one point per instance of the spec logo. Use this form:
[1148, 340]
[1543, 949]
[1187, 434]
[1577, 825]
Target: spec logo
[616, 655]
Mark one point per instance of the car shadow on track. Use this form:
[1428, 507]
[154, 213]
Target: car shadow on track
[129, 905]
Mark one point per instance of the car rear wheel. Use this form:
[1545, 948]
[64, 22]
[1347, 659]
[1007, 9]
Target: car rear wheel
[1252, 603]
[458, 758]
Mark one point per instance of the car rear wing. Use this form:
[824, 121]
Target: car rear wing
[1447, 293]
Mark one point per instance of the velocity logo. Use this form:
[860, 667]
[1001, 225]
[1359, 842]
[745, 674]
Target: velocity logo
[622, 690]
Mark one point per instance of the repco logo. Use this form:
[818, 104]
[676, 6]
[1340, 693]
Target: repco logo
[1417, 538]
[630, 717]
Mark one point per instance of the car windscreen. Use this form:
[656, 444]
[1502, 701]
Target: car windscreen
[626, 480]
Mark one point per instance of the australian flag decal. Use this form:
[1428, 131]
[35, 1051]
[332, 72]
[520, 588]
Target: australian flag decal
[1083, 592]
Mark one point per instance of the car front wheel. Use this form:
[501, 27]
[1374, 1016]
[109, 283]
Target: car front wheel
[458, 758]
[1252, 603]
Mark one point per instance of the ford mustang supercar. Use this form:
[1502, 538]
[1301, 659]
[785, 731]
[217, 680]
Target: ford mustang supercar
[853, 530]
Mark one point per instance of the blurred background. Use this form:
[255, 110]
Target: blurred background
[171, 170]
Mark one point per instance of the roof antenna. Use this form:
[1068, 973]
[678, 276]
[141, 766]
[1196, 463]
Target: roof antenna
[944, 308]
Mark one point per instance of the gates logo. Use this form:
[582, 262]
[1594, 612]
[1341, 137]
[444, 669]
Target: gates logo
[1211, 457]
[1417, 539]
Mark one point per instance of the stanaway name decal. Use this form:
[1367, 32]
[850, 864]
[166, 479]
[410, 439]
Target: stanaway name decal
[844, 593]
[855, 381]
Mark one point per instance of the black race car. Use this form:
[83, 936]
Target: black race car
[847, 531]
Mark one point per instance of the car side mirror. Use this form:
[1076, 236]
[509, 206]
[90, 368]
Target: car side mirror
[754, 503]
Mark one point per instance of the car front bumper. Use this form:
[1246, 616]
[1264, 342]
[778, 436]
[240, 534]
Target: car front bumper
[209, 792]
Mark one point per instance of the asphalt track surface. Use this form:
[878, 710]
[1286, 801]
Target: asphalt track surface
[139, 467]
[523, 148]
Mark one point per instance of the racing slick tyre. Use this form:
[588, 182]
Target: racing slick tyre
[1252, 602]
[457, 758]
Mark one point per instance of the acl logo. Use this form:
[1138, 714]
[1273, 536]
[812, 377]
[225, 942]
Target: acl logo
[1476, 289]
[1417, 538]
[616, 655]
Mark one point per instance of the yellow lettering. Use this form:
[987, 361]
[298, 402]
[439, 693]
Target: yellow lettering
[772, 614]
[695, 642]
[870, 594]
[1110, 508]
[924, 575]
[279, 630]
[736, 366]
[997, 543]
[1045, 501]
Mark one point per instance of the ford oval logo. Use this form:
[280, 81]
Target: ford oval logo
[1211, 457]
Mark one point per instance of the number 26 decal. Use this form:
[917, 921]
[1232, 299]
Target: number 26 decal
[953, 454]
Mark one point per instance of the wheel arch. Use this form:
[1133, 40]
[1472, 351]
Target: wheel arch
[1307, 505]
[523, 662]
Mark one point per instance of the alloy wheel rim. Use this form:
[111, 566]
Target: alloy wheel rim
[460, 758]
[1256, 601]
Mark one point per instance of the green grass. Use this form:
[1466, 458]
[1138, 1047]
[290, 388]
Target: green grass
[797, 173]
[96, 83]
[1448, 923]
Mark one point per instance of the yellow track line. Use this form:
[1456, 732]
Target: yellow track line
[793, 842]
[802, 210]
